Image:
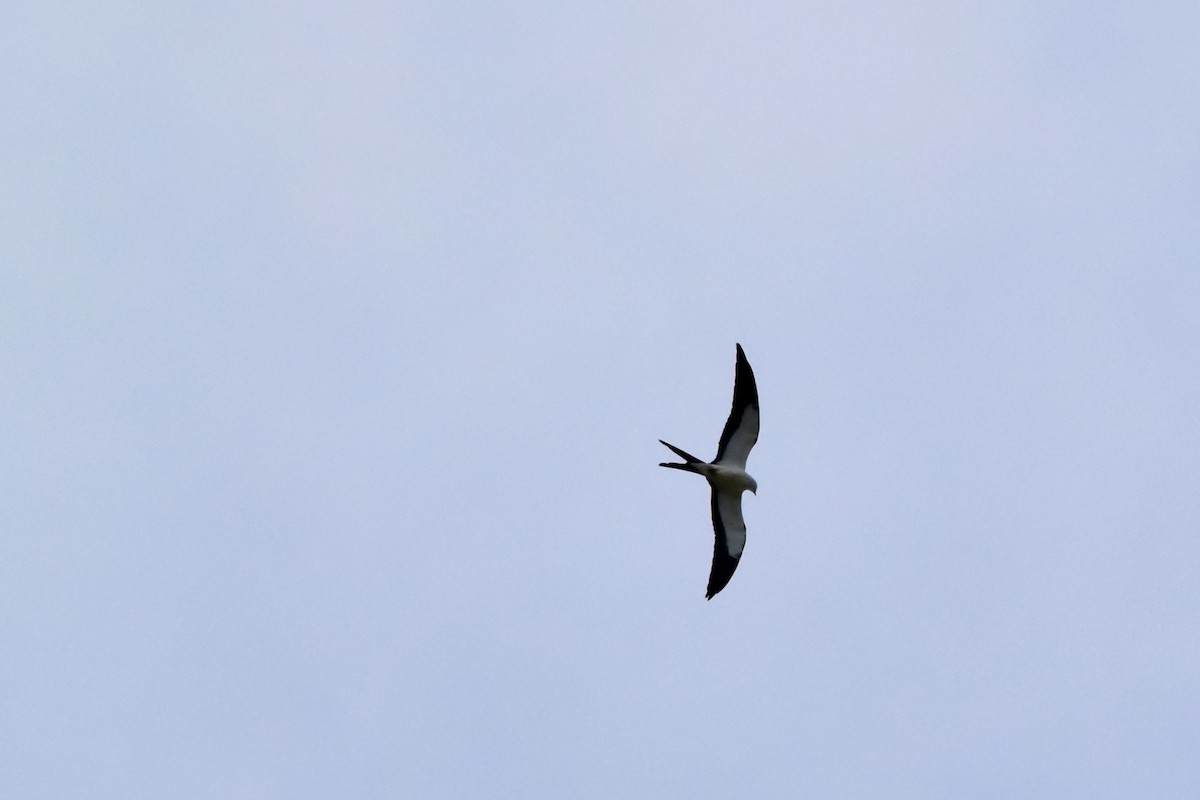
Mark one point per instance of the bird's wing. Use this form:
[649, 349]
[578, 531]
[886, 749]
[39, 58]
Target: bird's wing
[741, 429]
[730, 532]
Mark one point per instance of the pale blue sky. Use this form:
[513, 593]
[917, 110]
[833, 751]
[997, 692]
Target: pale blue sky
[338, 340]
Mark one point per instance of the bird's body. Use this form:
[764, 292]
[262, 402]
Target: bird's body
[727, 475]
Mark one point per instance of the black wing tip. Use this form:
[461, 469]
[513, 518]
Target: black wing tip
[716, 584]
[723, 567]
[745, 388]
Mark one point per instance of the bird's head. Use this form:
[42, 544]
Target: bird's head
[753, 487]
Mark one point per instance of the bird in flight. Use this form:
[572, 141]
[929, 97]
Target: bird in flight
[726, 474]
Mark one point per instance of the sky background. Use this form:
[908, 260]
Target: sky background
[337, 340]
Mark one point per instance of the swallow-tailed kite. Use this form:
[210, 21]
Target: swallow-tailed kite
[727, 475]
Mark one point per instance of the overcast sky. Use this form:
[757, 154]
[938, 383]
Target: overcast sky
[337, 340]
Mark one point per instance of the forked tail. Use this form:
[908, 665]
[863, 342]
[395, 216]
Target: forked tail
[688, 457]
